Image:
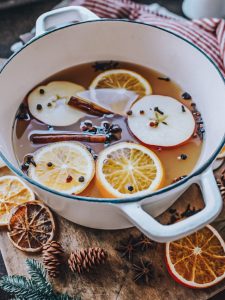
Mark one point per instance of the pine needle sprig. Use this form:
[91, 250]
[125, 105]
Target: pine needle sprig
[15, 285]
[39, 276]
[34, 288]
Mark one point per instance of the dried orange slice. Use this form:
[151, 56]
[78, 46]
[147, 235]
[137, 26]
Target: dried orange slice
[13, 191]
[31, 225]
[126, 169]
[122, 79]
[64, 166]
[198, 260]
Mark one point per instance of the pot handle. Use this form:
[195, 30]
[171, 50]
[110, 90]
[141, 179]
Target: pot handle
[62, 16]
[166, 233]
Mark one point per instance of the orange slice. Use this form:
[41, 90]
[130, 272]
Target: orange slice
[13, 191]
[65, 166]
[126, 169]
[31, 225]
[122, 79]
[198, 260]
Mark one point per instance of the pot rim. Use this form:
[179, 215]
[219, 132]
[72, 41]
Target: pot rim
[117, 200]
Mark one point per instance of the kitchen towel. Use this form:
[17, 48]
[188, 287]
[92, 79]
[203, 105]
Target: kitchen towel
[207, 34]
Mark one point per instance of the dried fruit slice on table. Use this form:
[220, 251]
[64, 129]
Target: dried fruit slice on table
[198, 260]
[122, 79]
[13, 192]
[31, 225]
[67, 167]
[49, 103]
[126, 169]
[161, 121]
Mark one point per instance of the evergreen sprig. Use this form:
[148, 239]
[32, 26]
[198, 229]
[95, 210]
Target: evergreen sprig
[34, 288]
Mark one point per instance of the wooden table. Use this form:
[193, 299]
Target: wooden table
[113, 280]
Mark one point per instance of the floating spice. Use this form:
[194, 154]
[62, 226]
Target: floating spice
[91, 108]
[179, 178]
[42, 91]
[130, 188]
[81, 179]
[186, 96]
[142, 112]
[182, 156]
[105, 65]
[69, 178]
[183, 108]
[39, 107]
[164, 78]
[23, 113]
[28, 159]
[129, 112]
[105, 124]
[153, 124]
[158, 110]
[78, 137]
[49, 164]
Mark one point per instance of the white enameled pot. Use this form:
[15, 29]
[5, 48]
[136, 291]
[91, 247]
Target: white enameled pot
[91, 40]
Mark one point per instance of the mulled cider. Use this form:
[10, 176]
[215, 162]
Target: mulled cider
[108, 130]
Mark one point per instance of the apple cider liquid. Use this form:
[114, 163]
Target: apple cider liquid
[177, 161]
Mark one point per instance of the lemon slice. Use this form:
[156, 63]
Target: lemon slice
[126, 169]
[122, 79]
[66, 167]
[13, 192]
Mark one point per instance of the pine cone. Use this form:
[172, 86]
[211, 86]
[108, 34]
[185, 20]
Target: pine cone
[52, 258]
[85, 259]
[221, 184]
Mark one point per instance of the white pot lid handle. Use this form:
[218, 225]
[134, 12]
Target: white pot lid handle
[61, 16]
[166, 233]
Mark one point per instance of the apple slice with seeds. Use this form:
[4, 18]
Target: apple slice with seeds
[49, 103]
[161, 121]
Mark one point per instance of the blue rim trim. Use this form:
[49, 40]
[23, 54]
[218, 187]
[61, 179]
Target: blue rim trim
[120, 200]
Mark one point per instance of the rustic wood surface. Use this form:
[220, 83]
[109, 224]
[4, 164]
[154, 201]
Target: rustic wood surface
[114, 279]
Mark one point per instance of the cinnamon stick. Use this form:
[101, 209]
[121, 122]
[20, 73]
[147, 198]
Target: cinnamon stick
[91, 108]
[52, 138]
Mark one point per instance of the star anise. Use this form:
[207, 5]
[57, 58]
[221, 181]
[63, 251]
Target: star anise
[143, 271]
[144, 243]
[127, 247]
[221, 184]
[105, 65]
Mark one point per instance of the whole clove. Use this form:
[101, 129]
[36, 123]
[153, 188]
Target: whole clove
[164, 78]
[186, 96]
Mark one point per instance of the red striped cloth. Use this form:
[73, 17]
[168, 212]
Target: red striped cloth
[207, 34]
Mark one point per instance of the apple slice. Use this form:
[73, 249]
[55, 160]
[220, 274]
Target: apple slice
[161, 121]
[49, 103]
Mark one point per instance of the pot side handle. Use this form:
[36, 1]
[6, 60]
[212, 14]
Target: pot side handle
[61, 16]
[167, 233]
